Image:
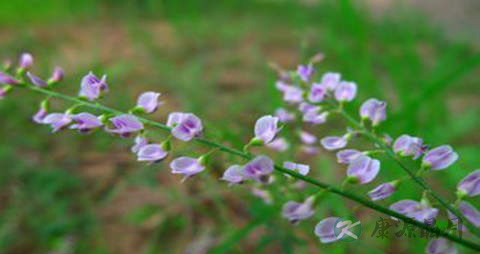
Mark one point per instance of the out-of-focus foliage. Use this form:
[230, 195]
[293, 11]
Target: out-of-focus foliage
[85, 194]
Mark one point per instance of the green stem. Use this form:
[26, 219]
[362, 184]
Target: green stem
[410, 173]
[248, 156]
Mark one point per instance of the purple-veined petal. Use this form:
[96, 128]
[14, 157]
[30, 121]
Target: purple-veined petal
[470, 212]
[470, 185]
[57, 121]
[259, 169]
[333, 142]
[186, 166]
[234, 174]
[148, 101]
[279, 144]
[318, 91]
[294, 211]
[325, 231]
[307, 138]
[284, 116]
[348, 155]
[36, 80]
[406, 145]
[92, 87]
[188, 127]
[40, 115]
[345, 91]
[302, 169]
[152, 153]
[26, 61]
[305, 72]
[440, 246]
[382, 191]
[140, 141]
[440, 157]
[364, 168]
[85, 122]
[331, 80]
[266, 128]
[374, 110]
[125, 125]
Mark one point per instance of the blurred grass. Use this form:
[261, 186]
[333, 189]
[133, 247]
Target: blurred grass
[210, 57]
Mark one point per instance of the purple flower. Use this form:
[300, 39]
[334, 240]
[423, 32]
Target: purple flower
[186, 166]
[406, 145]
[305, 107]
[6, 79]
[300, 168]
[415, 210]
[281, 85]
[57, 121]
[57, 75]
[364, 169]
[440, 157]
[348, 155]
[374, 110]
[278, 144]
[470, 212]
[263, 194]
[125, 125]
[151, 152]
[234, 174]
[40, 115]
[259, 169]
[305, 72]
[92, 87]
[455, 221]
[331, 80]
[295, 212]
[307, 138]
[36, 80]
[309, 149]
[26, 61]
[318, 91]
[292, 94]
[314, 117]
[382, 191]
[266, 128]
[85, 122]
[345, 91]
[140, 141]
[284, 116]
[440, 246]
[325, 230]
[333, 142]
[148, 101]
[185, 126]
[470, 185]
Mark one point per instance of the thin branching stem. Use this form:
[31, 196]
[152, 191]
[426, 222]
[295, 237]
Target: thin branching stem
[248, 156]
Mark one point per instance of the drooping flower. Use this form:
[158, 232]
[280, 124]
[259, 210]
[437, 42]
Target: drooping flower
[140, 141]
[148, 101]
[382, 191]
[26, 61]
[185, 126]
[345, 91]
[440, 246]
[325, 230]
[234, 175]
[406, 145]
[295, 211]
[92, 87]
[40, 115]
[36, 80]
[125, 125]
[151, 152]
[57, 75]
[307, 138]
[363, 169]
[305, 72]
[440, 157]
[374, 110]
[6, 79]
[348, 155]
[470, 212]
[283, 115]
[415, 210]
[470, 185]
[318, 91]
[259, 169]
[302, 169]
[57, 121]
[331, 80]
[279, 144]
[186, 166]
[266, 128]
[333, 142]
[85, 122]
[308, 149]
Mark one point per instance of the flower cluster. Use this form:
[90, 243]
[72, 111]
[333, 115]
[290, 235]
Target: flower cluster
[315, 97]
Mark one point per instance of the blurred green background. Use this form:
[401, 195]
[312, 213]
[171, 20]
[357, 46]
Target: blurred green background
[69, 193]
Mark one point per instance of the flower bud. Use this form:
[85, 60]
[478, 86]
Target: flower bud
[57, 76]
[6, 79]
[36, 81]
[26, 61]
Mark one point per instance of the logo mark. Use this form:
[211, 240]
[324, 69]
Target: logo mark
[347, 229]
